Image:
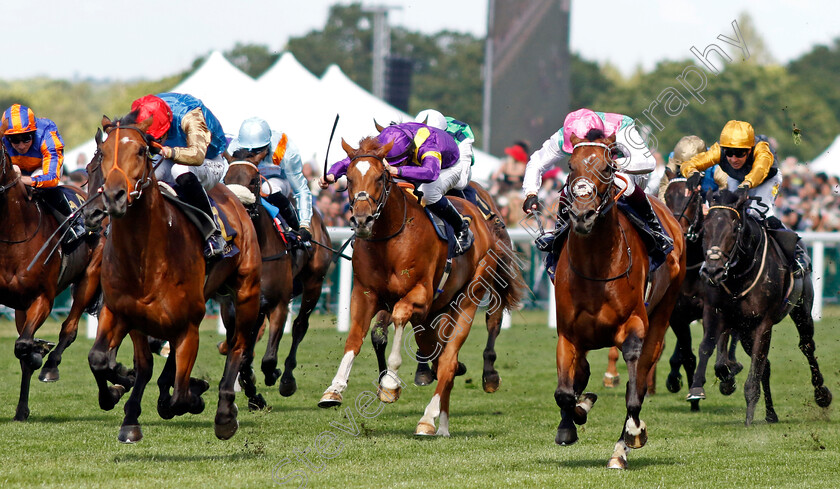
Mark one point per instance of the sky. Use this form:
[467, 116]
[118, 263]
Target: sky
[155, 38]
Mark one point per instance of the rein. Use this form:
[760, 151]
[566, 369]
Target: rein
[733, 258]
[146, 178]
[609, 279]
[387, 184]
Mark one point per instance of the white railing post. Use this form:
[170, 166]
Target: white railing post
[92, 323]
[506, 319]
[345, 286]
[818, 266]
[552, 306]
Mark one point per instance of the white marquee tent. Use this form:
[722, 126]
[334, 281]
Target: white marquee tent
[829, 160]
[295, 101]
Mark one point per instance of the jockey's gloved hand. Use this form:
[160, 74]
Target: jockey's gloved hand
[742, 189]
[305, 234]
[693, 180]
[531, 203]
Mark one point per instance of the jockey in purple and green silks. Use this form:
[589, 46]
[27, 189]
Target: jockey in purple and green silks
[426, 155]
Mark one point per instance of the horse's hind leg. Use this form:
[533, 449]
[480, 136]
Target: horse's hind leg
[379, 340]
[409, 306]
[130, 431]
[570, 379]
[184, 399]
[276, 323]
[801, 315]
[165, 382]
[490, 379]
[101, 357]
[723, 366]
[30, 360]
[759, 346]
[309, 299]
[711, 325]
[611, 378]
[683, 356]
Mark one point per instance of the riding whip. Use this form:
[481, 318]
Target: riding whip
[327, 156]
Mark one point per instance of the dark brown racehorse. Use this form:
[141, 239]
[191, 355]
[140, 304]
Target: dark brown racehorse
[686, 206]
[490, 379]
[155, 282]
[281, 266]
[25, 227]
[749, 288]
[398, 262]
[601, 288]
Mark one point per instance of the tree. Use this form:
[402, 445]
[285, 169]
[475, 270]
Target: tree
[818, 71]
[253, 59]
[588, 82]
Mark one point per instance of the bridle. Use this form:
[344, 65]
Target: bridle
[253, 209]
[14, 182]
[146, 179]
[691, 234]
[606, 200]
[733, 257]
[387, 184]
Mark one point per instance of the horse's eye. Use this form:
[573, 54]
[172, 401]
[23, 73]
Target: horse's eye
[141, 152]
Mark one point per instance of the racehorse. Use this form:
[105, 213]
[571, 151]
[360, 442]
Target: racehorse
[686, 206]
[606, 295]
[281, 267]
[398, 264]
[155, 282]
[750, 287]
[490, 379]
[27, 226]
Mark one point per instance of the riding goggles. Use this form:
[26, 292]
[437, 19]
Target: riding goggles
[736, 152]
[19, 138]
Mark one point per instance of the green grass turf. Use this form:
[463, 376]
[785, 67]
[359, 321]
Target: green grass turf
[504, 439]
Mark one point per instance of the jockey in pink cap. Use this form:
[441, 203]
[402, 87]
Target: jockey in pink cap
[637, 159]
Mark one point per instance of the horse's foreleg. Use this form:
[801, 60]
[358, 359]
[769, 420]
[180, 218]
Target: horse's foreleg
[414, 304]
[611, 377]
[26, 349]
[759, 347]
[490, 379]
[27, 364]
[363, 305]
[568, 360]
[801, 315]
[711, 328]
[276, 323]
[186, 349]
[309, 299]
[683, 356]
[379, 340]
[109, 335]
[634, 430]
[130, 431]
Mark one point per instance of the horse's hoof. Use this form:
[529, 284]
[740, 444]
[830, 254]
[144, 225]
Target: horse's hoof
[48, 374]
[197, 406]
[423, 377]
[727, 387]
[287, 387]
[425, 429]
[271, 376]
[695, 405]
[611, 381]
[223, 347]
[822, 396]
[256, 403]
[735, 368]
[330, 399]
[771, 417]
[636, 441]
[22, 414]
[566, 436]
[490, 382]
[199, 386]
[224, 431]
[619, 463]
[674, 382]
[130, 434]
[389, 396]
[460, 370]
[695, 394]
[164, 408]
[584, 404]
[34, 360]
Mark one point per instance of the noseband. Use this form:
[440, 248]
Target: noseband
[733, 257]
[363, 196]
[606, 201]
[146, 179]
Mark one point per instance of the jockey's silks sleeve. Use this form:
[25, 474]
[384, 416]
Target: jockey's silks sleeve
[762, 162]
[287, 156]
[46, 153]
[702, 161]
[198, 139]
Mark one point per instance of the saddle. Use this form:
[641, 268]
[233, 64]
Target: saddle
[656, 258]
[202, 221]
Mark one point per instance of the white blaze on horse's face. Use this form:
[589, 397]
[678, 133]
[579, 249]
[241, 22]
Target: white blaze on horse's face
[583, 189]
[363, 167]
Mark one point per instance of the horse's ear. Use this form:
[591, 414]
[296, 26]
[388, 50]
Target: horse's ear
[710, 194]
[105, 121]
[611, 140]
[385, 149]
[574, 139]
[742, 198]
[98, 136]
[378, 127]
[3, 128]
[426, 120]
[347, 148]
[145, 124]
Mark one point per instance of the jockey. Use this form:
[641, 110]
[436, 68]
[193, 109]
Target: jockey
[428, 155]
[686, 148]
[463, 135]
[752, 169]
[33, 144]
[281, 166]
[193, 152]
[637, 160]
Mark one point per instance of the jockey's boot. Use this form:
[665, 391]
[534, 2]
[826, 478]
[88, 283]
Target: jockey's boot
[191, 190]
[640, 203]
[58, 200]
[284, 205]
[801, 264]
[552, 241]
[463, 235]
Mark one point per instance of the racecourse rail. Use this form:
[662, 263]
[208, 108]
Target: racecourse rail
[817, 241]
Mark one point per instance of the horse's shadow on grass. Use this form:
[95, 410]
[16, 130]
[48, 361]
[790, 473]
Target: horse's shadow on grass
[146, 457]
[601, 463]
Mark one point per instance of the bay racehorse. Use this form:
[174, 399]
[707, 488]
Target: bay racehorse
[155, 282]
[398, 264]
[606, 296]
[282, 266]
[490, 379]
[687, 207]
[750, 287]
[27, 226]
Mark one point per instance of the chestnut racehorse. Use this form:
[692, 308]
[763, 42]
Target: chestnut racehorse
[155, 282]
[26, 226]
[280, 268]
[603, 295]
[398, 263]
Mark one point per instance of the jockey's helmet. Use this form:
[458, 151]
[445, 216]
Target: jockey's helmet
[254, 133]
[20, 119]
[579, 123]
[432, 118]
[737, 134]
[687, 148]
[158, 110]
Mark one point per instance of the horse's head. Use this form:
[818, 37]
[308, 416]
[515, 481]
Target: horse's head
[685, 206]
[126, 162]
[244, 180]
[368, 183]
[8, 177]
[592, 174]
[723, 228]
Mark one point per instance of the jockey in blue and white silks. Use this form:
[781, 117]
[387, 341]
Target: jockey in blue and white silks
[282, 168]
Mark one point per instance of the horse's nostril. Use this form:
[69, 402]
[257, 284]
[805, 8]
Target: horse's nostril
[368, 220]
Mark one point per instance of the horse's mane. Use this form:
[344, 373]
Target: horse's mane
[369, 144]
[242, 153]
[595, 134]
[129, 119]
[725, 197]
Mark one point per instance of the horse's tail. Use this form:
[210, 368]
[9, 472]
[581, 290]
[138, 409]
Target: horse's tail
[509, 284]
